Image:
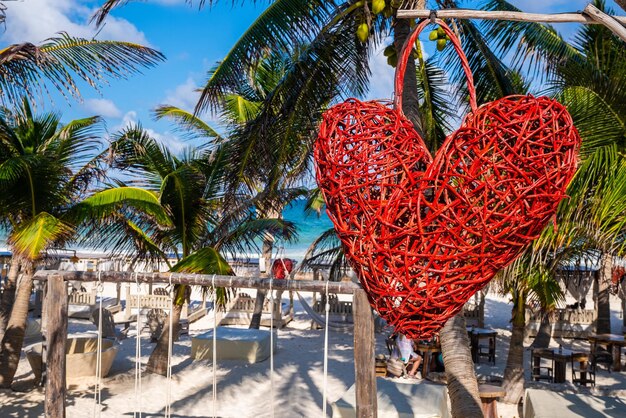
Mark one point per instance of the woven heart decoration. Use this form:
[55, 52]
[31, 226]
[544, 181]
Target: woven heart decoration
[425, 234]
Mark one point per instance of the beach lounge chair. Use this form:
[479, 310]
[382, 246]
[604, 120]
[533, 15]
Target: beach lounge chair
[240, 309]
[81, 303]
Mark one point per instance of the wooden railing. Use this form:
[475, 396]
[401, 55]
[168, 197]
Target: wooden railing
[56, 302]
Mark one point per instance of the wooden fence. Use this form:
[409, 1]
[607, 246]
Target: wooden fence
[56, 299]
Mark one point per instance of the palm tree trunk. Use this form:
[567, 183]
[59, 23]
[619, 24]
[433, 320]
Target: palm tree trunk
[157, 363]
[621, 3]
[261, 294]
[457, 358]
[601, 288]
[513, 381]
[8, 295]
[410, 100]
[13, 338]
[544, 334]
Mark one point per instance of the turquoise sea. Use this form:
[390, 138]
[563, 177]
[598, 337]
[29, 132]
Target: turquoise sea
[309, 227]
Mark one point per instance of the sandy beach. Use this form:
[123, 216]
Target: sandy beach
[294, 389]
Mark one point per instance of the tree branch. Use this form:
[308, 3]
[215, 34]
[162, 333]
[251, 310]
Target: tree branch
[599, 16]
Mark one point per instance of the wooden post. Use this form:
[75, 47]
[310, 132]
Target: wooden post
[364, 362]
[56, 337]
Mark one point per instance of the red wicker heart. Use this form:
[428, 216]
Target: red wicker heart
[422, 235]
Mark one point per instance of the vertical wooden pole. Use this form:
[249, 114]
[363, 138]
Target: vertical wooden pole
[364, 362]
[56, 337]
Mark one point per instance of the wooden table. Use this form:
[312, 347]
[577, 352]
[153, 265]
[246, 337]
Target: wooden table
[489, 395]
[561, 357]
[428, 349]
[476, 334]
[614, 344]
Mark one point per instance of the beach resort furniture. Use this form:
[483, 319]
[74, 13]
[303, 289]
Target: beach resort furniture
[566, 322]
[340, 311]
[547, 404]
[489, 395]
[614, 344]
[560, 357]
[251, 345]
[482, 344]
[80, 357]
[474, 311]
[537, 370]
[399, 399]
[429, 351]
[583, 369]
[81, 303]
[159, 299]
[240, 309]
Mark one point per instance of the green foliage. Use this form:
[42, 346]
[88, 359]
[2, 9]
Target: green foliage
[63, 59]
[34, 235]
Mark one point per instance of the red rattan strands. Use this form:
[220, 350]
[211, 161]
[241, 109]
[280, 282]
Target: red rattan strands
[423, 235]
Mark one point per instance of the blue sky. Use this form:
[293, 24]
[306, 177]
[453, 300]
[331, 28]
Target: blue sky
[192, 40]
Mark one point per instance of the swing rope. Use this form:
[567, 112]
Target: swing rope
[214, 347]
[137, 413]
[272, 345]
[170, 348]
[97, 395]
[325, 384]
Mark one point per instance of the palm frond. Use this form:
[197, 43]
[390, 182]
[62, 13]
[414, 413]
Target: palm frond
[102, 204]
[38, 233]
[63, 59]
[536, 47]
[598, 123]
[191, 126]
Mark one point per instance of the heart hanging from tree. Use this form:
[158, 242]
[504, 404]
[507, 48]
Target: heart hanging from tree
[425, 234]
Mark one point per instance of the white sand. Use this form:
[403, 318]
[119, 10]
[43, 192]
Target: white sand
[245, 390]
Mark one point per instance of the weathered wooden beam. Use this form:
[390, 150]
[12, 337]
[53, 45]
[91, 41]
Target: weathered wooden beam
[502, 15]
[364, 360]
[201, 280]
[607, 20]
[56, 337]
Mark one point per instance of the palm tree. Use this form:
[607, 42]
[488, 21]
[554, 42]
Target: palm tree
[46, 171]
[330, 33]
[588, 77]
[286, 25]
[190, 188]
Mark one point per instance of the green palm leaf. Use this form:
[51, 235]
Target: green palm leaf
[191, 126]
[103, 203]
[63, 59]
[37, 234]
[284, 24]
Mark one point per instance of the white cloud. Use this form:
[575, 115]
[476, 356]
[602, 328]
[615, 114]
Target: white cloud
[381, 81]
[102, 107]
[171, 141]
[184, 96]
[36, 20]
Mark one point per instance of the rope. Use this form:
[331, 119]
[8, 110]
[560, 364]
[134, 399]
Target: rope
[137, 413]
[214, 347]
[97, 395]
[272, 345]
[325, 385]
[170, 348]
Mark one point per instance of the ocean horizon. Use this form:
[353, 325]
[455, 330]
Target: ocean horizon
[308, 227]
